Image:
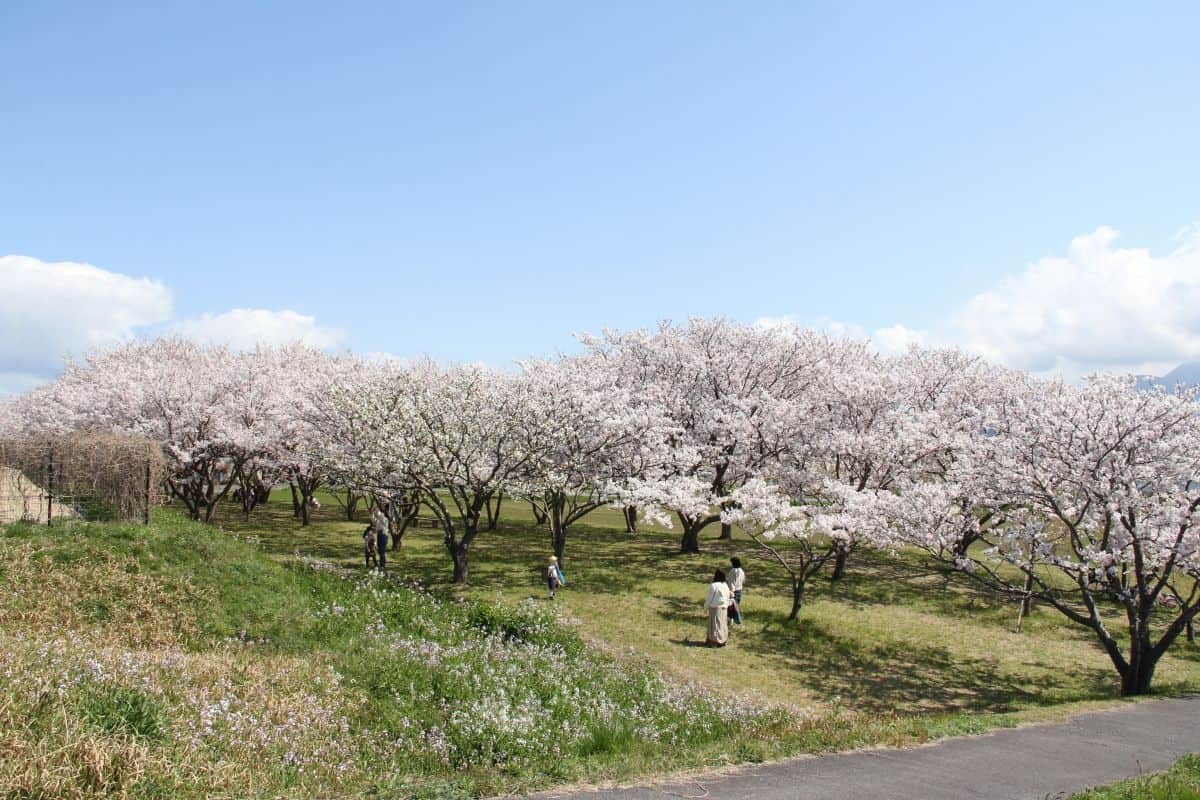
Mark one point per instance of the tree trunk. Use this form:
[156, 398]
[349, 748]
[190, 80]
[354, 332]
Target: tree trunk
[397, 523]
[726, 531]
[308, 489]
[1191, 633]
[964, 543]
[458, 554]
[211, 497]
[1136, 681]
[1026, 601]
[631, 515]
[295, 500]
[797, 598]
[558, 531]
[1138, 674]
[493, 511]
[690, 541]
[409, 509]
[1137, 670]
[182, 492]
[839, 564]
[538, 516]
[351, 504]
[558, 542]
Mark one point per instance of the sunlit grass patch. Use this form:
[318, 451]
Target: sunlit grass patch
[1180, 782]
[123, 710]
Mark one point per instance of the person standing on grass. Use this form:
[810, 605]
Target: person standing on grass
[381, 539]
[717, 602]
[554, 576]
[369, 553]
[736, 580]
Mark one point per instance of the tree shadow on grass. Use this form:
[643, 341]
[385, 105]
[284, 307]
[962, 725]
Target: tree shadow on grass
[900, 675]
[329, 536]
[897, 676]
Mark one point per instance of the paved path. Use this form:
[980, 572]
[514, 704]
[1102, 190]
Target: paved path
[1034, 762]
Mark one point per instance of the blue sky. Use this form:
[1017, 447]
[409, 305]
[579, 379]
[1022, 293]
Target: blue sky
[478, 180]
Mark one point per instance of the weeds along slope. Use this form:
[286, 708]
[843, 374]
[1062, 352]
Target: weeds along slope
[178, 661]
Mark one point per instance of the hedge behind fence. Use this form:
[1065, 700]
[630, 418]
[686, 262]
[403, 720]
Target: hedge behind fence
[95, 476]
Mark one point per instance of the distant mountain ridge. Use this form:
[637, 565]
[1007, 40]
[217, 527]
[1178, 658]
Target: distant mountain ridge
[1185, 375]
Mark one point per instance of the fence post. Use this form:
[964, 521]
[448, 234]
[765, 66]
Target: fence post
[146, 516]
[49, 485]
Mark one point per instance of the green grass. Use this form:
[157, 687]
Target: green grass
[897, 638]
[430, 680]
[122, 710]
[215, 670]
[1180, 782]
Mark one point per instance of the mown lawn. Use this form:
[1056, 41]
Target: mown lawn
[897, 652]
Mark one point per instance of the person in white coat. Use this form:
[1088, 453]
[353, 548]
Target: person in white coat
[717, 603]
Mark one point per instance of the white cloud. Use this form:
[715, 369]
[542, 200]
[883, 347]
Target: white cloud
[48, 310]
[51, 310]
[891, 340]
[1099, 307]
[244, 328]
[831, 327]
[896, 339]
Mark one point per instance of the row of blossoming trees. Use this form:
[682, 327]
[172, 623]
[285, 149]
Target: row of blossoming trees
[1085, 498]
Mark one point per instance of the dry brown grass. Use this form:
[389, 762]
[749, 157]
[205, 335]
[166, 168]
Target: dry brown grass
[225, 714]
[116, 597]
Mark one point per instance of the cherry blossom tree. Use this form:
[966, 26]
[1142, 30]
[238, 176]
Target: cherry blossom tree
[168, 390]
[724, 390]
[351, 418]
[769, 513]
[303, 377]
[887, 421]
[12, 416]
[458, 436]
[589, 440]
[256, 408]
[1086, 499]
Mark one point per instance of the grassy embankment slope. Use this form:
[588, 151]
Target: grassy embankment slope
[182, 661]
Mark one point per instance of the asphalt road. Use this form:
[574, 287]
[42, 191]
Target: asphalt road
[1034, 762]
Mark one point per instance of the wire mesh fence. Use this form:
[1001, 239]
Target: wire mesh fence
[78, 477]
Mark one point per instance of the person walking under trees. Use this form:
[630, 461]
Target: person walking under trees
[717, 602]
[554, 576]
[736, 580]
